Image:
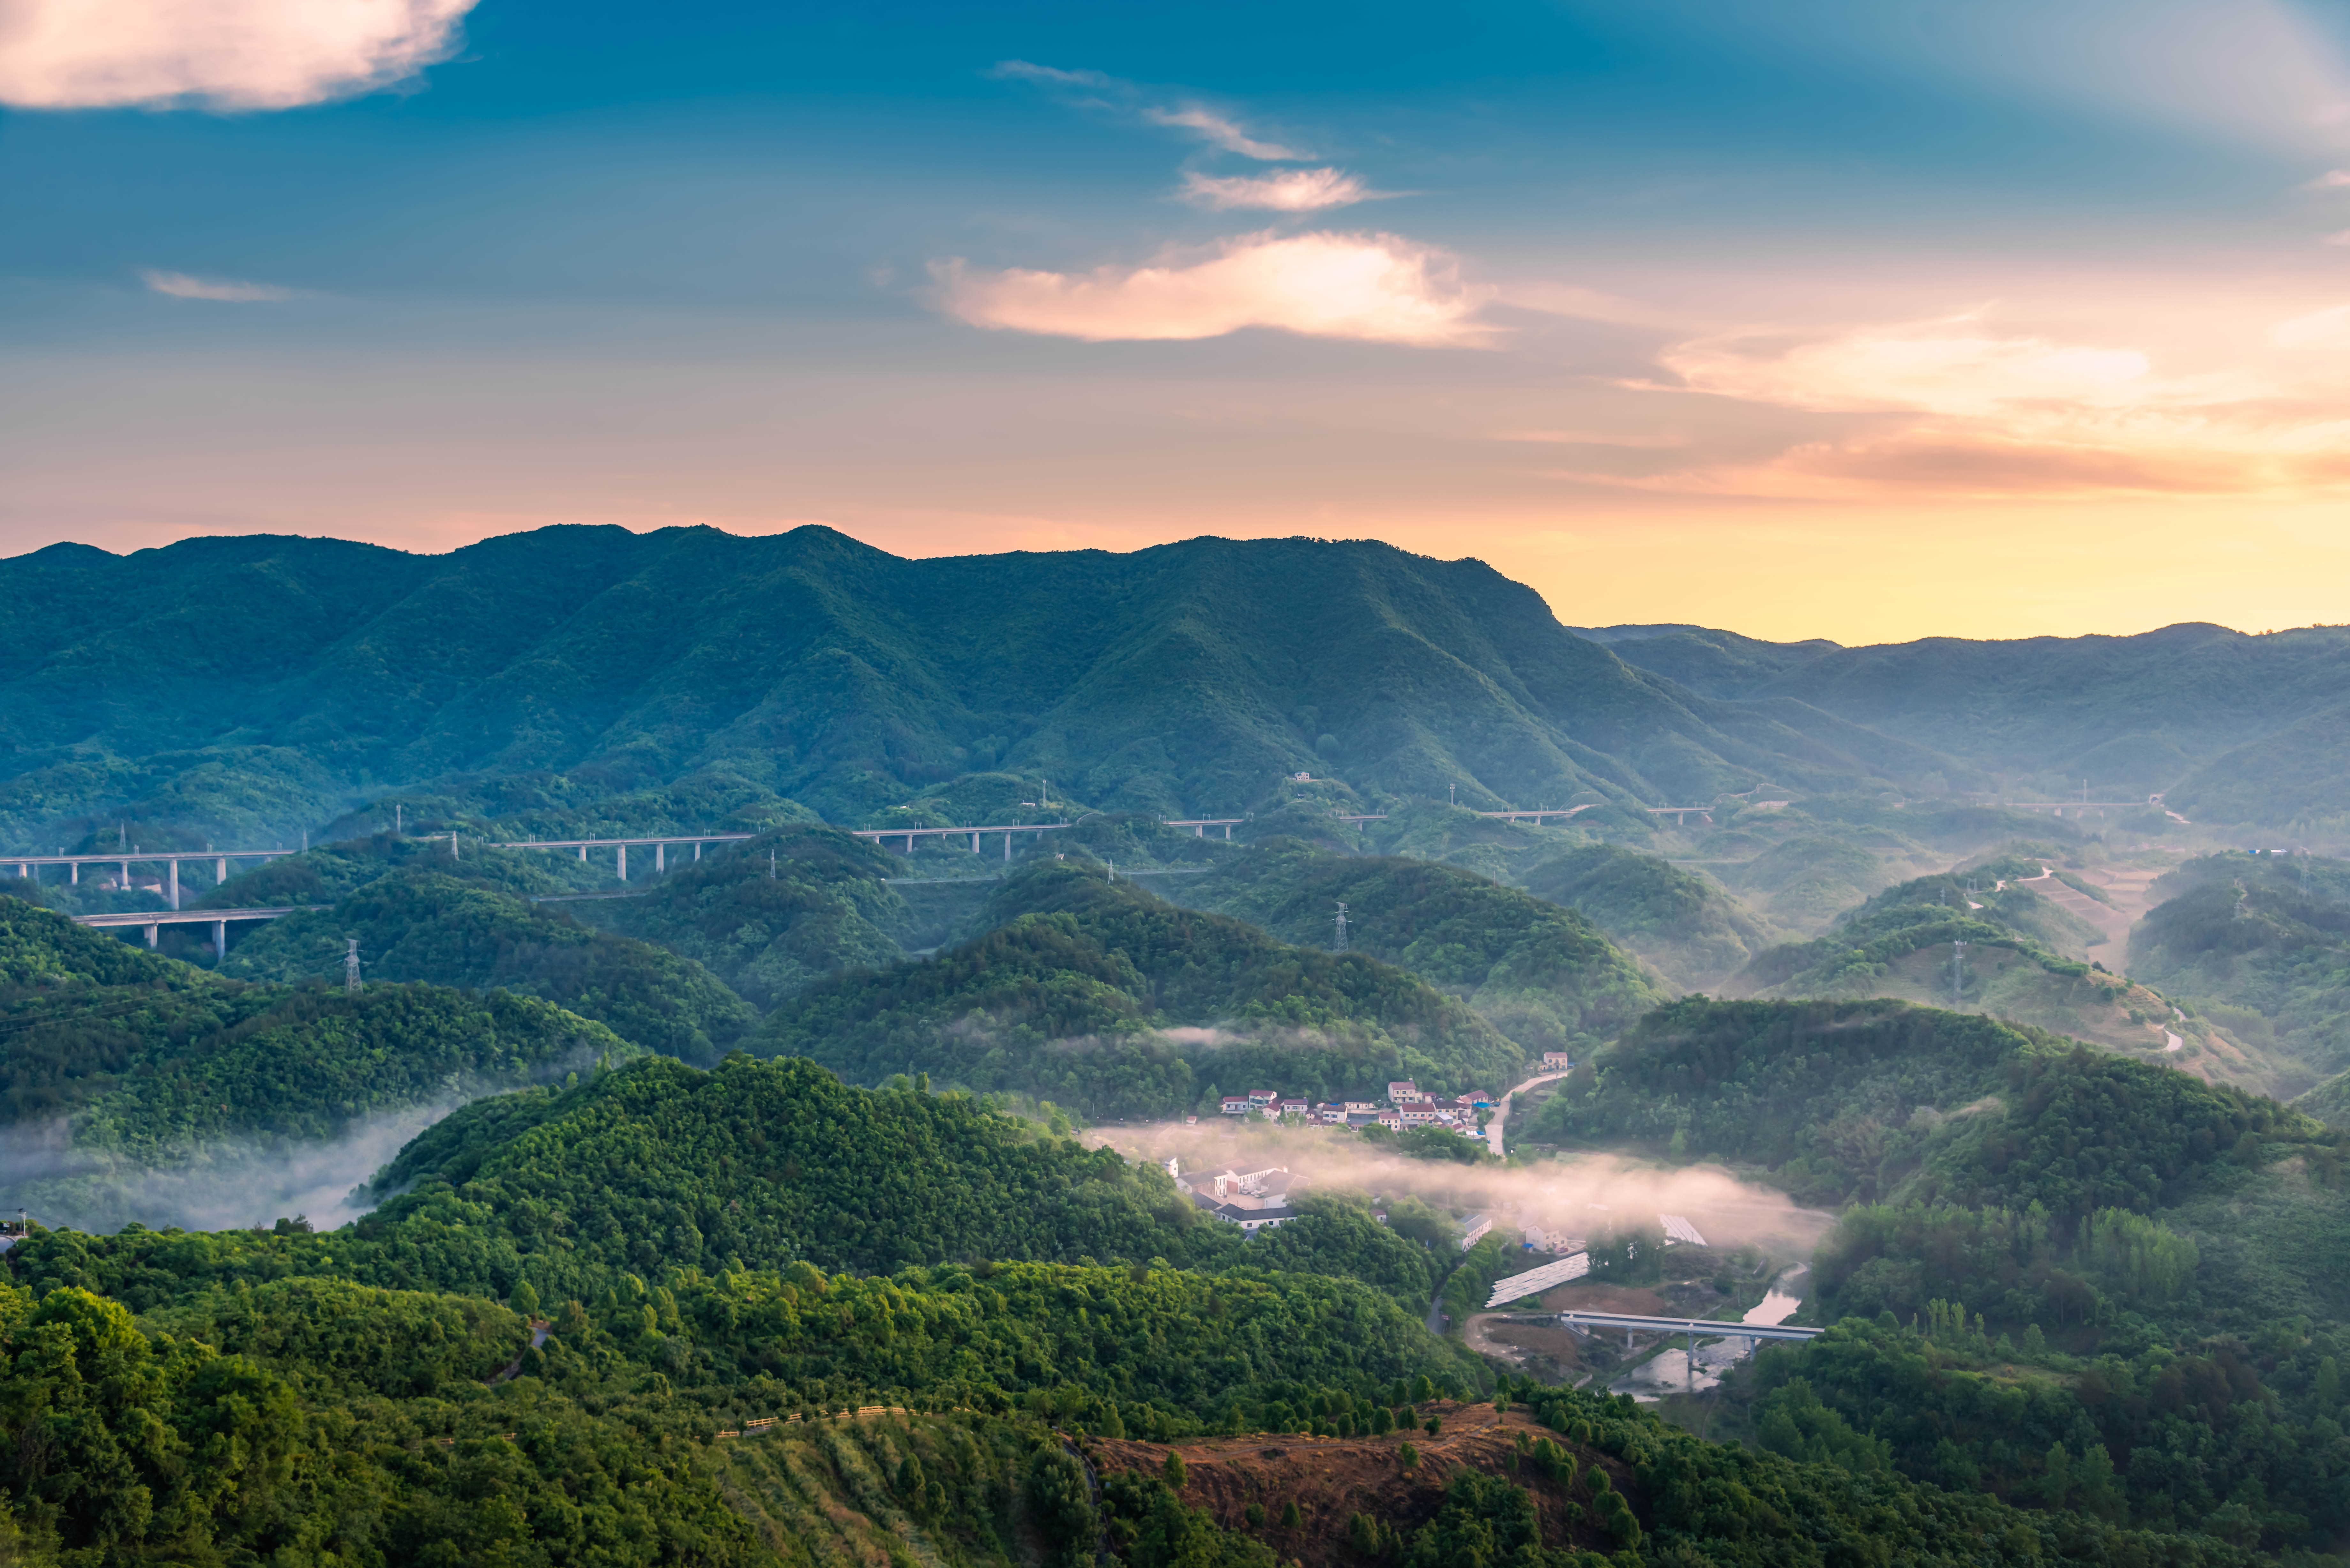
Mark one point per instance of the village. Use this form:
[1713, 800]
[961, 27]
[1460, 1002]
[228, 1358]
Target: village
[1406, 1105]
[1257, 1199]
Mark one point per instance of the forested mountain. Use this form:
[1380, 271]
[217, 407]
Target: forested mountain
[769, 916]
[430, 926]
[2240, 729]
[274, 1383]
[135, 1085]
[2261, 941]
[1985, 1158]
[1688, 925]
[1543, 975]
[1105, 997]
[1987, 939]
[542, 676]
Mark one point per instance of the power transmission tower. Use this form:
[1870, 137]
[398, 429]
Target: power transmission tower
[1342, 928]
[351, 967]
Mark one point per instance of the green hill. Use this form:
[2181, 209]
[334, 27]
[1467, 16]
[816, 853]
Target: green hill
[1542, 975]
[2017, 965]
[333, 871]
[1952, 1124]
[769, 916]
[420, 925]
[1104, 997]
[1689, 926]
[2260, 943]
[134, 1087]
[548, 676]
[770, 1186]
[275, 1383]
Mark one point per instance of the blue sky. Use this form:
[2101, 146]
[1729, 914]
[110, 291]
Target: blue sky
[1863, 320]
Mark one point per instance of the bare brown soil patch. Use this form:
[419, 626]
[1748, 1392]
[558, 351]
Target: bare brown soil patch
[1627, 1299]
[1332, 1479]
[1537, 1338]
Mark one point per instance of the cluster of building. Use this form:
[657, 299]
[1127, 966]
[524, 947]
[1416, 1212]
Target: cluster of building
[1405, 1107]
[1251, 1199]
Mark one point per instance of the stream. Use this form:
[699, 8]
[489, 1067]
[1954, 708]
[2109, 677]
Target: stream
[1669, 1372]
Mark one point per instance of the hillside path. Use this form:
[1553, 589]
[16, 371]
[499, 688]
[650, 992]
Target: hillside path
[1502, 1112]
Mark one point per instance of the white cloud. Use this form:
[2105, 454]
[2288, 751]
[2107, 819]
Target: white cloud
[220, 54]
[2339, 237]
[1376, 288]
[2332, 180]
[1095, 90]
[180, 285]
[1219, 131]
[1290, 190]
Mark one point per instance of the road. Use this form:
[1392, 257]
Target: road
[1502, 1111]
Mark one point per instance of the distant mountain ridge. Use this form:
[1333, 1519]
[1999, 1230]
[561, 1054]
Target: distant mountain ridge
[2242, 728]
[258, 686]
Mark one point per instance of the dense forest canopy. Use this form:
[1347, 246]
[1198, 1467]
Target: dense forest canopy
[1539, 972]
[1103, 996]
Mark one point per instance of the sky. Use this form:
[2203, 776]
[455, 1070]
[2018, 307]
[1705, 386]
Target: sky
[1867, 321]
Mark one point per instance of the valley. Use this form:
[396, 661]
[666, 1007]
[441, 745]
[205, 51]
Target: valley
[1092, 1093]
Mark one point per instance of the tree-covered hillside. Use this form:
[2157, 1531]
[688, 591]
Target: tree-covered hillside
[769, 916]
[1886, 1101]
[1987, 939]
[1691, 927]
[2236, 728]
[2033, 1178]
[760, 1193]
[126, 1078]
[1543, 975]
[1102, 996]
[596, 663]
[422, 925]
[2263, 943]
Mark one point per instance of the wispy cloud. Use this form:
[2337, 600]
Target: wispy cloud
[180, 285]
[1092, 90]
[1290, 190]
[219, 54]
[1375, 287]
[2332, 180]
[1219, 131]
[1954, 407]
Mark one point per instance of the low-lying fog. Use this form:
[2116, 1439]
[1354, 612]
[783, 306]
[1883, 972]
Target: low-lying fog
[215, 1186]
[1591, 1193]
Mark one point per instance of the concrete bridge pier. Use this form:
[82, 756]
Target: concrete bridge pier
[126, 881]
[624, 862]
[151, 935]
[220, 870]
[220, 939]
[660, 859]
[974, 843]
[583, 853]
[173, 892]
